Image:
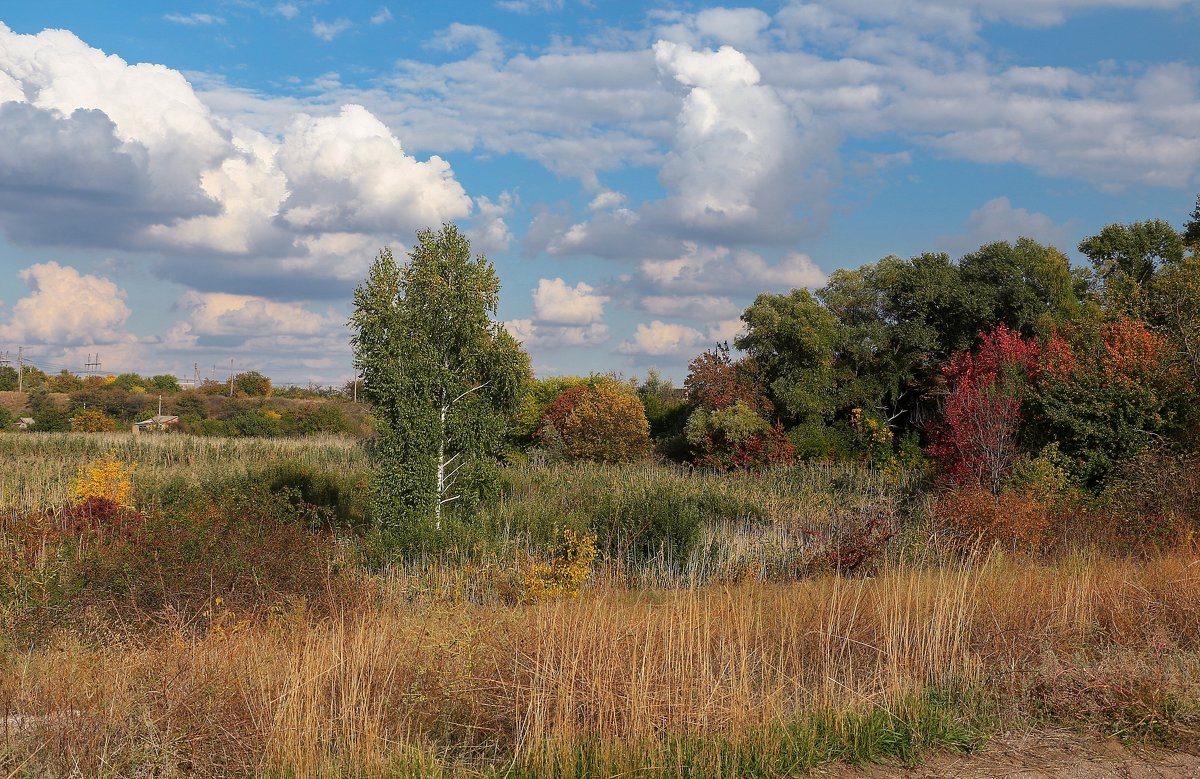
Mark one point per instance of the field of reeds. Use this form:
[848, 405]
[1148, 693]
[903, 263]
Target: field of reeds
[811, 617]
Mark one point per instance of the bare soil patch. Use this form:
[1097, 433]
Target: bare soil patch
[1044, 755]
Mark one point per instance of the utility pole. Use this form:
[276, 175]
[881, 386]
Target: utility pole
[92, 368]
[195, 375]
[231, 377]
[20, 369]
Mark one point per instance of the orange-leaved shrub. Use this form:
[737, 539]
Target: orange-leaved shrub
[604, 423]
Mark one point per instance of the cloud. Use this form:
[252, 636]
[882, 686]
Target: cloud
[457, 36]
[718, 269]
[556, 303]
[537, 335]
[286, 10]
[99, 153]
[739, 27]
[349, 173]
[67, 308]
[998, 220]
[529, 6]
[327, 31]
[382, 16]
[741, 165]
[489, 233]
[663, 339]
[194, 20]
[245, 316]
[691, 306]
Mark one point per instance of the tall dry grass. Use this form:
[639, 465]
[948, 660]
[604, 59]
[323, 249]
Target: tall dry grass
[36, 469]
[744, 680]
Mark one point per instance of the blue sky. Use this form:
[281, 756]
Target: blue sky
[186, 184]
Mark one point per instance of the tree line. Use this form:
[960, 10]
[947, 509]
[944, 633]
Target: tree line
[1006, 371]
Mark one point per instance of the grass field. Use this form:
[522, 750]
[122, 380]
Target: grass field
[752, 654]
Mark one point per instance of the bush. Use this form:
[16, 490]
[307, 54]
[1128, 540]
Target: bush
[604, 423]
[93, 421]
[250, 549]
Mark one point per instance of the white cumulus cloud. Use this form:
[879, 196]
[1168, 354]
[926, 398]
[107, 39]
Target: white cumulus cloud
[67, 308]
[557, 303]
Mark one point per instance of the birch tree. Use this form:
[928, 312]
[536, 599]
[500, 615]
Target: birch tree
[442, 375]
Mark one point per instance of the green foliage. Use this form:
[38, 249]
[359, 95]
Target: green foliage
[48, 415]
[163, 383]
[64, 381]
[792, 339]
[1191, 230]
[666, 411]
[6, 417]
[1026, 286]
[1175, 292]
[8, 378]
[734, 424]
[1115, 394]
[252, 384]
[129, 382]
[819, 441]
[315, 420]
[442, 375]
[256, 423]
[1127, 257]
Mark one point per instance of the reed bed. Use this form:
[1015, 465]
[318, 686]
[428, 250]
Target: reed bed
[749, 680]
[36, 468]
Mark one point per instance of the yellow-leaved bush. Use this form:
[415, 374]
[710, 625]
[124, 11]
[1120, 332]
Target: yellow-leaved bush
[106, 478]
[567, 570]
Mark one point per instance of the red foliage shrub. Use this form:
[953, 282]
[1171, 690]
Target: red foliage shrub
[1017, 519]
[715, 382]
[558, 410]
[975, 443]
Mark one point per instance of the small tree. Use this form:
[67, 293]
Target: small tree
[976, 441]
[252, 384]
[442, 375]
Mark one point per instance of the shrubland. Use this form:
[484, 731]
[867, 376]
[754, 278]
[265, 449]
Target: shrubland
[930, 502]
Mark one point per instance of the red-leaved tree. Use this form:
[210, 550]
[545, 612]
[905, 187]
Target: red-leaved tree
[975, 444]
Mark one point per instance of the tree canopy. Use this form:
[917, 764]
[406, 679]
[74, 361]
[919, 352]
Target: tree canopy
[442, 375]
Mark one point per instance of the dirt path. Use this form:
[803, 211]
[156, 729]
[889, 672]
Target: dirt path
[1044, 756]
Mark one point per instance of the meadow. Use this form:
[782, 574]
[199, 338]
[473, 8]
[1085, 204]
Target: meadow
[238, 618]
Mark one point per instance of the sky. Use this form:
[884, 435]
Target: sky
[189, 186]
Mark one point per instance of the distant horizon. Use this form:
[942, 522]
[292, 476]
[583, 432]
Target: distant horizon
[210, 181]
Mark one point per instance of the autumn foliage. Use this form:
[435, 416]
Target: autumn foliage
[604, 423]
[731, 427]
[976, 441]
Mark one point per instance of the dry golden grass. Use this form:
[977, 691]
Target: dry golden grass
[411, 681]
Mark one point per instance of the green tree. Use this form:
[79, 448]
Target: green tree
[252, 384]
[1127, 257]
[164, 383]
[1191, 230]
[443, 376]
[792, 339]
[130, 382]
[1176, 295]
[1025, 286]
[8, 378]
